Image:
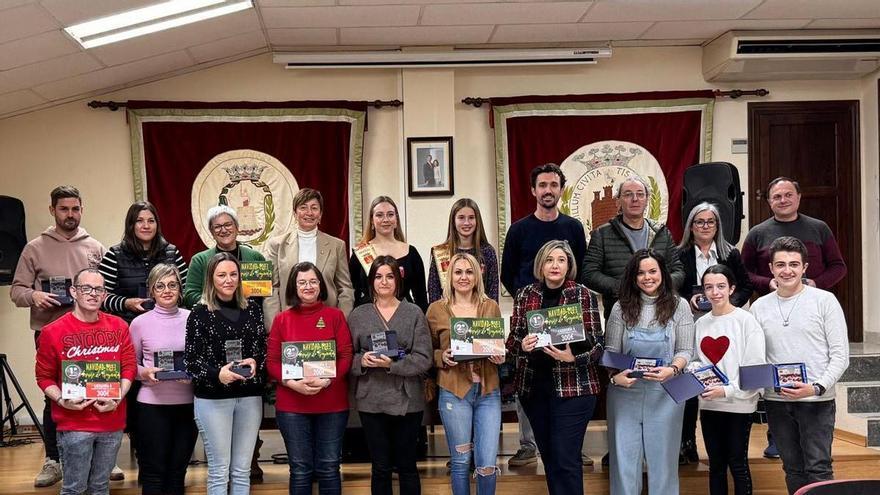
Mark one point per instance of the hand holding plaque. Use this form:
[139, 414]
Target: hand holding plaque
[237, 365]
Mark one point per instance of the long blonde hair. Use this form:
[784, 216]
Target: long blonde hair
[370, 230]
[209, 292]
[478, 293]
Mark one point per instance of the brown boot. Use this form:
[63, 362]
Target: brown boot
[256, 470]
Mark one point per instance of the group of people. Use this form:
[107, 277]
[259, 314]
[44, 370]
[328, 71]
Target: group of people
[139, 300]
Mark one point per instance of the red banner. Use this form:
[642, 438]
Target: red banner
[187, 159]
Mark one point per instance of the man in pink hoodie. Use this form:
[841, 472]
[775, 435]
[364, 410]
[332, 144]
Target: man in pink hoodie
[56, 254]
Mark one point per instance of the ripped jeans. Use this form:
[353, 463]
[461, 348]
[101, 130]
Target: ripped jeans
[472, 426]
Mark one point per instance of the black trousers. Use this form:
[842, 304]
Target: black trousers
[689, 420]
[165, 446]
[393, 442]
[49, 428]
[560, 425]
[803, 432]
[727, 442]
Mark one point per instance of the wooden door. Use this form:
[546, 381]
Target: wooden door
[817, 144]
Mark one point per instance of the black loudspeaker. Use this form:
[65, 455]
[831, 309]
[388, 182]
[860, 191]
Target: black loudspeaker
[716, 183]
[12, 236]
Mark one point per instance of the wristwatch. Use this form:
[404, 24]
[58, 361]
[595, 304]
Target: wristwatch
[818, 389]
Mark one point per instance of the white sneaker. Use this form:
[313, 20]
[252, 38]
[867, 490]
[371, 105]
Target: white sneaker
[49, 474]
[116, 474]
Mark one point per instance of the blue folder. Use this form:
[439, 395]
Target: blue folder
[765, 375]
[687, 385]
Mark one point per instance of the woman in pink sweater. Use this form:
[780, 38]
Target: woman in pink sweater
[311, 412]
[165, 406]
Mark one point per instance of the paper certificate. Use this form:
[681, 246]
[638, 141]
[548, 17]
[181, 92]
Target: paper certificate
[308, 359]
[91, 380]
[256, 278]
[559, 325]
[474, 338]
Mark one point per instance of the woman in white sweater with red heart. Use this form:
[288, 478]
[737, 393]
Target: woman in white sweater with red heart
[728, 337]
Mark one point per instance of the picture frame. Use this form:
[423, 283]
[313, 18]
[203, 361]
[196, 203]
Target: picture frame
[430, 166]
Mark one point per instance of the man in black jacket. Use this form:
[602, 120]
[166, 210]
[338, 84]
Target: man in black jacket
[613, 244]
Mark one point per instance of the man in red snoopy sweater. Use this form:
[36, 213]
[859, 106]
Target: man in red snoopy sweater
[89, 430]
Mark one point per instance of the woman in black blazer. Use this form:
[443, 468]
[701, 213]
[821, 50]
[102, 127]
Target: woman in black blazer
[703, 244]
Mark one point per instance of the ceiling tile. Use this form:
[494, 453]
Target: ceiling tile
[302, 36]
[668, 10]
[844, 24]
[180, 37]
[503, 13]
[708, 30]
[547, 33]
[412, 2]
[7, 4]
[417, 35]
[18, 100]
[34, 49]
[341, 16]
[70, 12]
[228, 47]
[46, 71]
[114, 76]
[298, 3]
[24, 21]
[815, 9]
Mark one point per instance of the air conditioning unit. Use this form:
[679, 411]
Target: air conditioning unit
[395, 59]
[784, 55]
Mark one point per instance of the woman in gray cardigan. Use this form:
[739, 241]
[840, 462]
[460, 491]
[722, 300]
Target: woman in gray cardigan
[390, 391]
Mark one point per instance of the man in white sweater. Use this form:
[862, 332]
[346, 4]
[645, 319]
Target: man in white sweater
[802, 324]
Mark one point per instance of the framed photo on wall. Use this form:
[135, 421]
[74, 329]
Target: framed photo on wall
[429, 170]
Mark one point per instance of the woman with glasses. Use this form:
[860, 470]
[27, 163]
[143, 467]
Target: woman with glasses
[464, 234]
[311, 412]
[222, 222]
[557, 384]
[703, 245]
[225, 353]
[390, 390]
[125, 268]
[306, 243]
[649, 321]
[165, 406]
[383, 236]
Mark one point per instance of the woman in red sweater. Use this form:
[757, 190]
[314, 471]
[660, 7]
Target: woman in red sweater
[311, 412]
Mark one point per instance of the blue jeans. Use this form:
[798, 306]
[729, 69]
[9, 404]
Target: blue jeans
[87, 459]
[314, 450]
[229, 429]
[472, 425]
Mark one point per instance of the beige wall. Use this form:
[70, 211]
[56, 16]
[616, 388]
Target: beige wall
[89, 148]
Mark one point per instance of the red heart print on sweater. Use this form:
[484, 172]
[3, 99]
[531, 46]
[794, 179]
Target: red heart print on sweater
[713, 348]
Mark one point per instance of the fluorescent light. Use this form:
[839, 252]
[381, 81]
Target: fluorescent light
[151, 19]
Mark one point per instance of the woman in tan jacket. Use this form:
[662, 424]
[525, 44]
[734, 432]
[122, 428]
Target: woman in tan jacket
[470, 400]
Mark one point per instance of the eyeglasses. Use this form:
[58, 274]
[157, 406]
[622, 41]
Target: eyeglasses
[629, 195]
[704, 223]
[305, 283]
[160, 287]
[223, 226]
[88, 289]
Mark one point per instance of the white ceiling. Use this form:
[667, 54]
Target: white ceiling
[41, 66]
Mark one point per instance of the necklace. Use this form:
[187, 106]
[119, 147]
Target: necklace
[787, 319]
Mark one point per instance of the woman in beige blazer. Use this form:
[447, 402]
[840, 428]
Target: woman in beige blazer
[307, 243]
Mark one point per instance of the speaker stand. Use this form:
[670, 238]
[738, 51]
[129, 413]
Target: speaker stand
[6, 373]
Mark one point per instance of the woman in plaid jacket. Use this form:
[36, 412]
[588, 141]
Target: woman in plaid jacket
[557, 385]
